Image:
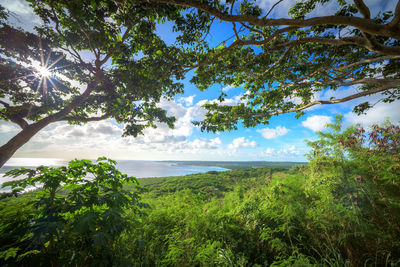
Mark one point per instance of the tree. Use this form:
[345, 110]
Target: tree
[88, 61]
[283, 63]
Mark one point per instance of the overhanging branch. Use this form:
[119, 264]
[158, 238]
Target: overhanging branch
[365, 25]
[82, 119]
[386, 87]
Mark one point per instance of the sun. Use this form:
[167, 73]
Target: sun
[44, 72]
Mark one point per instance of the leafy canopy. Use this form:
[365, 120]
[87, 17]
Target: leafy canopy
[286, 64]
[89, 61]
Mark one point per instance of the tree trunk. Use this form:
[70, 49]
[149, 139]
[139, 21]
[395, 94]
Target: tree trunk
[8, 149]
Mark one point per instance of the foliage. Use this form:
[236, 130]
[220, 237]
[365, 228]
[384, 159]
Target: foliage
[285, 62]
[342, 209]
[89, 61]
[361, 168]
[73, 219]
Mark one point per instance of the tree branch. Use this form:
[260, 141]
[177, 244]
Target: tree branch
[14, 118]
[284, 55]
[123, 38]
[84, 32]
[396, 19]
[364, 10]
[254, 30]
[365, 61]
[370, 81]
[5, 104]
[386, 87]
[359, 41]
[80, 119]
[74, 53]
[365, 25]
[220, 54]
[277, 3]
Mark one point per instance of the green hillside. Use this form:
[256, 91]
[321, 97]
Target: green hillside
[341, 209]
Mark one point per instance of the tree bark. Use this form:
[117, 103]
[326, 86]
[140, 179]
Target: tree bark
[8, 149]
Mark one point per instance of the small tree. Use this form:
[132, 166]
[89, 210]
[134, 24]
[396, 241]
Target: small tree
[89, 61]
[74, 218]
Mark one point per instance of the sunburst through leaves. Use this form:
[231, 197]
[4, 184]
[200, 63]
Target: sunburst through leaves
[42, 72]
[46, 71]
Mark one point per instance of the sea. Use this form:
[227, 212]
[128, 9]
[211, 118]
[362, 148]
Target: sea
[136, 168]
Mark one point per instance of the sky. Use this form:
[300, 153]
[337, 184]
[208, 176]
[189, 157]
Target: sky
[282, 140]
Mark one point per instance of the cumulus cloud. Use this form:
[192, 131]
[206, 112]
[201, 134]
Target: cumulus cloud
[281, 154]
[317, 122]
[103, 128]
[18, 6]
[204, 143]
[376, 115]
[183, 126]
[241, 142]
[187, 101]
[291, 150]
[269, 152]
[104, 138]
[92, 129]
[8, 128]
[270, 133]
[228, 87]
[25, 18]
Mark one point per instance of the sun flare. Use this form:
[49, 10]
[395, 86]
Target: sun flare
[44, 72]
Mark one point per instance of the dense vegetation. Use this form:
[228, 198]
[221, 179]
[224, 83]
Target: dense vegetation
[343, 208]
[72, 220]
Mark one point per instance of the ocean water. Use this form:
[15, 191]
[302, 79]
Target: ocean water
[136, 168]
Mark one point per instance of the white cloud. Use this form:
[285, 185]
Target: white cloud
[270, 133]
[22, 14]
[204, 143]
[104, 138]
[317, 122]
[64, 140]
[269, 152]
[18, 6]
[8, 128]
[380, 6]
[188, 101]
[282, 9]
[228, 87]
[241, 142]
[376, 115]
[285, 153]
[291, 150]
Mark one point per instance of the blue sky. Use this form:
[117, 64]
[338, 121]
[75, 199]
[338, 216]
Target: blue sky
[282, 140]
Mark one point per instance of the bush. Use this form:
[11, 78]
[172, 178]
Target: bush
[73, 219]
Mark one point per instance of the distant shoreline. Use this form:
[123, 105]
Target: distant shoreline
[229, 165]
[234, 165]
